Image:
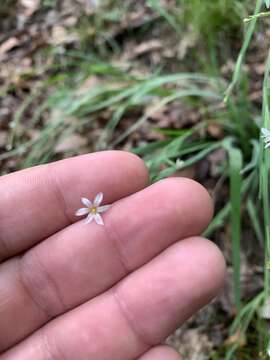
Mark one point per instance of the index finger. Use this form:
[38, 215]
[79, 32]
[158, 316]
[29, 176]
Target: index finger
[37, 202]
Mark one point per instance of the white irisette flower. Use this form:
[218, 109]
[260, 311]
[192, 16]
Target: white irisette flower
[93, 209]
[265, 133]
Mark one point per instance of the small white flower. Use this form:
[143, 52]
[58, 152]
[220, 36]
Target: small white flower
[179, 163]
[265, 133]
[93, 210]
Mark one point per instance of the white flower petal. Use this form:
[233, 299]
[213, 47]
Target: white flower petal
[98, 199]
[103, 208]
[89, 218]
[81, 212]
[265, 132]
[86, 202]
[98, 219]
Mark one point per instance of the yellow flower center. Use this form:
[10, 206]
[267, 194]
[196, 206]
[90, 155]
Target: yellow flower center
[93, 210]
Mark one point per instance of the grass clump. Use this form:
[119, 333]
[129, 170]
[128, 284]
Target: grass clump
[211, 18]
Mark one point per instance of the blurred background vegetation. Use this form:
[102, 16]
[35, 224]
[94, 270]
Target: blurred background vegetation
[183, 84]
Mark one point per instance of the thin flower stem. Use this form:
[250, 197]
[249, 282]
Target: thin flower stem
[256, 16]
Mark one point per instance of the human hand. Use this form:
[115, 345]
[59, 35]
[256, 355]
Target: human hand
[75, 291]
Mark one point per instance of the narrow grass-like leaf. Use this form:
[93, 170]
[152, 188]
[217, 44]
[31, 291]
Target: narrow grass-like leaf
[254, 159]
[221, 217]
[242, 322]
[235, 164]
[254, 219]
[155, 4]
[242, 53]
[257, 16]
[264, 172]
[177, 95]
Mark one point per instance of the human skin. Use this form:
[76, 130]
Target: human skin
[74, 291]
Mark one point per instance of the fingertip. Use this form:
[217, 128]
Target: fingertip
[173, 286]
[194, 195]
[140, 165]
[208, 263]
[132, 163]
[217, 260]
[203, 195]
[161, 352]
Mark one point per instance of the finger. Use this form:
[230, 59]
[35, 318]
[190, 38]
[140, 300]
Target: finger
[37, 202]
[138, 313]
[93, 258]
[161, 353]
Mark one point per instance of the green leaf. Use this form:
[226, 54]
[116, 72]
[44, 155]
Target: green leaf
[235, 166]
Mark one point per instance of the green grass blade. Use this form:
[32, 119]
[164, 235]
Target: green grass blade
[161, 10]
[264, 172]
[220, 218]
[242, 322]
[235, 164]
[177, 95]
[254, 219]
[242, 53]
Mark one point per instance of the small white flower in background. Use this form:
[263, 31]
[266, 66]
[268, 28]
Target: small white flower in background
[265, 133]
[93, 209]
[179, 163]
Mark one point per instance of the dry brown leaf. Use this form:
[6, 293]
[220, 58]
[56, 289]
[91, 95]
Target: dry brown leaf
[60, 35]
[237, 338]
[8, 45]
[3, 138]
[189, 172]
[215, 130]
[30, 6]
[192, 344]
[147, 46]
[90, 83]
[72, 142]
[188, 41]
